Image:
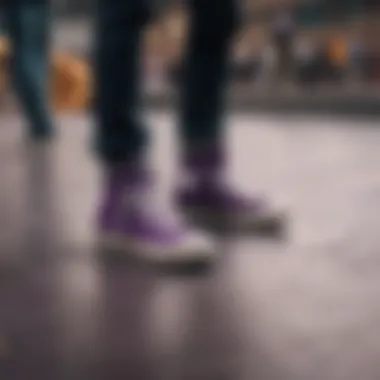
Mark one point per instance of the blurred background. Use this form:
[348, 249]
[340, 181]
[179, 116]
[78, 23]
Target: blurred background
[301, 48]
[287, 44]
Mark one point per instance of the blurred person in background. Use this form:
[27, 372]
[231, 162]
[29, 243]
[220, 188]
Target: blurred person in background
[245, 68]
[306, 60]
[269, 60]
[337, 55]
[374, 58]
[126, 211]
[356, 59]
[283, 32]
[26, 23]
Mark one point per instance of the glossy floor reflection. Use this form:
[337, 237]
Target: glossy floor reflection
[304, 308]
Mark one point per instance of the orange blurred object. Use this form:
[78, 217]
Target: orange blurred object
[71, 82]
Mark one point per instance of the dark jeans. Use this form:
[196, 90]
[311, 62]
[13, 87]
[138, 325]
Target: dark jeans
[27, 24]
[120, 24]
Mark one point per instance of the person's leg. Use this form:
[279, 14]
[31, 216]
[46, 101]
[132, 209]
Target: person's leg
[205, 71]
[127, 216]
[119, 26]
[203, 143]
[28, 27]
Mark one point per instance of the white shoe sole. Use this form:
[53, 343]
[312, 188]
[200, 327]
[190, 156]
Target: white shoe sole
[195, 249]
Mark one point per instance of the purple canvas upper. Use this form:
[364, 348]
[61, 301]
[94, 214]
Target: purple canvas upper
[125, 206]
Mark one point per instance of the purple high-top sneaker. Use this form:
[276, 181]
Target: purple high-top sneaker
[128, 222]
[207, 200]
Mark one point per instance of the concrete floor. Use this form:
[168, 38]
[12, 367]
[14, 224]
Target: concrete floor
[303, 308]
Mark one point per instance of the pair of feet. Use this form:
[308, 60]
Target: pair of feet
[128, 222]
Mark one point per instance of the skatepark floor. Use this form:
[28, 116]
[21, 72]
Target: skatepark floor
[304, 307]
